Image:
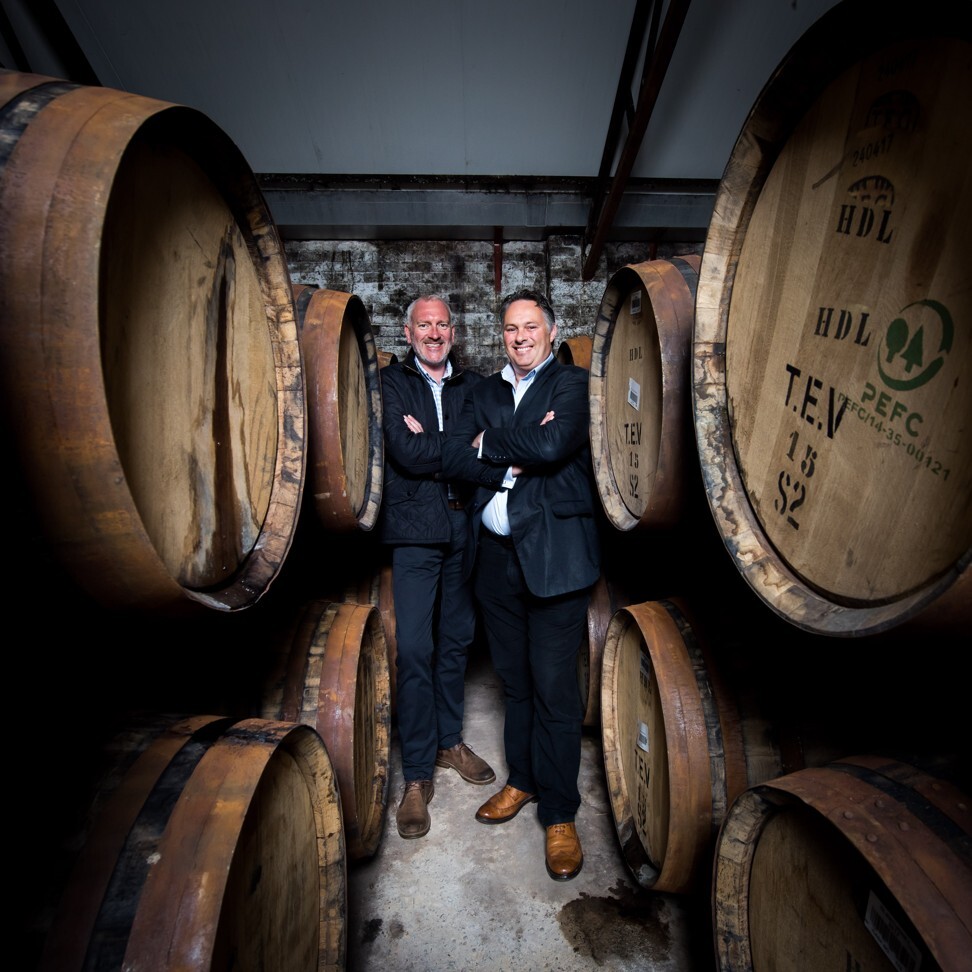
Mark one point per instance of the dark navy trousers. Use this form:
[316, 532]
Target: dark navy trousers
[435, 623]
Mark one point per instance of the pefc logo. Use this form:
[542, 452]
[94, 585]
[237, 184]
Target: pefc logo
[915, 345]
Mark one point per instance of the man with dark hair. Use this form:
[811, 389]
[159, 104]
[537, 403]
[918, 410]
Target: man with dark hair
[422, 517]
[523, 440]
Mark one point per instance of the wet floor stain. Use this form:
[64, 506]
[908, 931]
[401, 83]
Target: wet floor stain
[625, 925]
[370, 930]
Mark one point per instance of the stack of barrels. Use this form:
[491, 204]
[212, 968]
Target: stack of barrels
[175, 406]
[783, 737]
[779, 438]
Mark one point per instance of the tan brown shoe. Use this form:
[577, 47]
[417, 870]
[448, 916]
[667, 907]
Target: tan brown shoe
[413, 812]
[472, 768]
[564, 855]
[504, 805]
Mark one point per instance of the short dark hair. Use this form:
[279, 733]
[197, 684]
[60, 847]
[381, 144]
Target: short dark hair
[525, 293]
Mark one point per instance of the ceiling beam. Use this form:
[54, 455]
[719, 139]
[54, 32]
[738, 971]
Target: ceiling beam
[660, 58]
[313, 207]
[623, 105]
[40, 41]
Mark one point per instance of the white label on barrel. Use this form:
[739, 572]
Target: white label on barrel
[636, 303]
[634, 394]
[642, 736]
[890, 936]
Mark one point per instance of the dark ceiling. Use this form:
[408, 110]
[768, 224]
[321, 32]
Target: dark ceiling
[444, 119]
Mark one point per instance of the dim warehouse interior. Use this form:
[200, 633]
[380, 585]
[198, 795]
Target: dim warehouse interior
[751, 220]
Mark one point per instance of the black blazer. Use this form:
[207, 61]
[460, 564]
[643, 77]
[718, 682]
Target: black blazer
[552, 507]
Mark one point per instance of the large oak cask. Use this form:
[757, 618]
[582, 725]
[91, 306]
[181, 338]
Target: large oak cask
[863, 863]
[641, 418]
[345, 444]
[213, 844]
[831, 348]
[149, 359]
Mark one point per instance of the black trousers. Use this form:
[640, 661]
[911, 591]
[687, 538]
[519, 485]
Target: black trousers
[534, 642]
[435, 623]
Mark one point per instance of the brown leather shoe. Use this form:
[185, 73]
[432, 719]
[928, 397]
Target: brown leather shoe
[564, 855]
[472, 768]
[413, 812]
[504, 805]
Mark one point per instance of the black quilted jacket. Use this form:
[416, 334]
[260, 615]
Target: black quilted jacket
[414, 496]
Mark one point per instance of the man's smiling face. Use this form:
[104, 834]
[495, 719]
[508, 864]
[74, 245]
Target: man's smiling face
[527, 336]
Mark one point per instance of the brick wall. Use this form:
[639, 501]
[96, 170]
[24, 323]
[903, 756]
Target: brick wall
[386, 276]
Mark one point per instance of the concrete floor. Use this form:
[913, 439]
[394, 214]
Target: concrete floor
[466, 897]
[470, 896]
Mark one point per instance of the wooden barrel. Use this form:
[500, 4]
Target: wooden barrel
[831, 394]
[576, 351]
[677, 746]
[386, 358]
[375, 587]
[332, 674]
[865, 863]
[148, 350]
[606, 598]
[639, 391]
[345, 443]
[213, 844]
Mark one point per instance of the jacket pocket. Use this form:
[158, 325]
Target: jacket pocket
[399, 491]
[576, 507]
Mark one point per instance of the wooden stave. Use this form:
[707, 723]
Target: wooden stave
[606, 598]
[87, 510]
[839, 40]
[716, 745]
[916, 843]
[377, 588]
[670, 284]
[681, 772]
[344, 499]
[324, 663]
[576, 350]
[175, 853]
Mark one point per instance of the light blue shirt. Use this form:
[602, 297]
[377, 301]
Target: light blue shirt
[436, 386]
[495, 517]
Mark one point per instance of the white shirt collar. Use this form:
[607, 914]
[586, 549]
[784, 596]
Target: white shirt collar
[510, 375]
